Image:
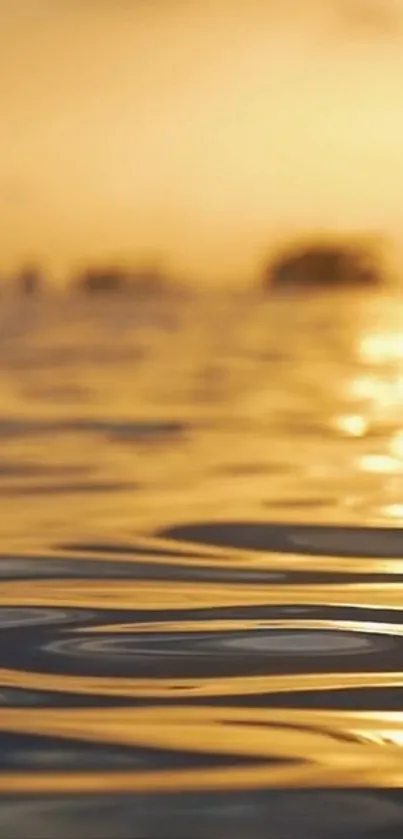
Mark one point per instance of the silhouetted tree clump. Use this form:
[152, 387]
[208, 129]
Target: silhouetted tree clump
[118, 280]
[30, 280]
[323, 266]
[101, 281]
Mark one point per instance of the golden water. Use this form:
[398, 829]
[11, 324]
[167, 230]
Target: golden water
[201, 569]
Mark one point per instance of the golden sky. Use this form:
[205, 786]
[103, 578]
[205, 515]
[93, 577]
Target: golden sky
[196, 130]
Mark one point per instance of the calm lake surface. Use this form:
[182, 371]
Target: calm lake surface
[201, 569]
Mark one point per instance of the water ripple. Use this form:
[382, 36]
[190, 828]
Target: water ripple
[294, 538]
[202, 571]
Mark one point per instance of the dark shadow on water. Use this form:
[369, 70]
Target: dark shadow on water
[293, 538]
[279, 814]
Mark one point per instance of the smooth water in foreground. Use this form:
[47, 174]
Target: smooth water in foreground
[201, 569]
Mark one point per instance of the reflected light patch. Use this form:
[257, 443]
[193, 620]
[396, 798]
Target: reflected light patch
[378, 349]
[364, 387]
[381, 738]
[353, 425]
[393, 511]
[396, 445]
[378, 392]
[380, 464]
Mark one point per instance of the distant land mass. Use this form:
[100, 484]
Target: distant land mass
[313, 264]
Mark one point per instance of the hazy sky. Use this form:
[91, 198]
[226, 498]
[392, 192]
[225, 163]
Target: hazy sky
[196, 130]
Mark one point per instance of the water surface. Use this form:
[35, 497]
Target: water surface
[201, 569]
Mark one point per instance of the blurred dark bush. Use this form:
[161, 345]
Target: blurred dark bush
[323, 266]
